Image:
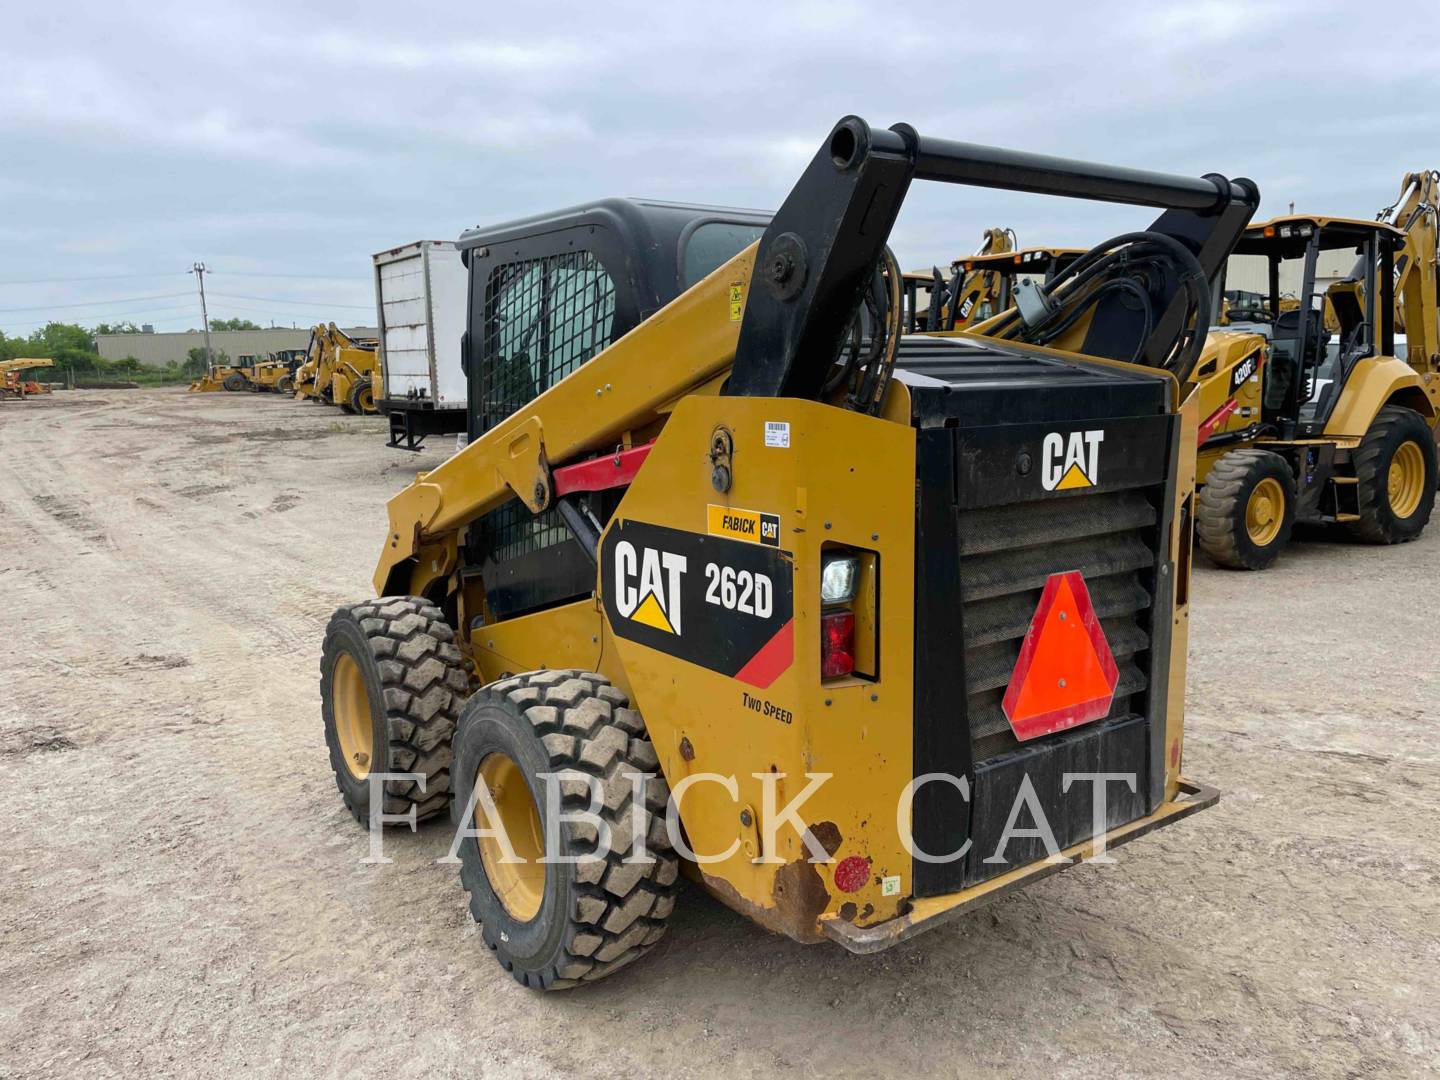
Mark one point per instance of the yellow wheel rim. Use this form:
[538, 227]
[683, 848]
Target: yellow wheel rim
[1406, 483]
[367, 400]
[352, 717]
[520, 886]
[1265, 512]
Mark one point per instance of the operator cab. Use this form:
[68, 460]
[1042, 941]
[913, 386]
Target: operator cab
[1295, 282]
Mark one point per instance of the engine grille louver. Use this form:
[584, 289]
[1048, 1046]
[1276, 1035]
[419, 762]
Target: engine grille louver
[1007, 553]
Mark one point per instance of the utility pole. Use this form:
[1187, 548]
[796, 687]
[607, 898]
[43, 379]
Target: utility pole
[199, 271]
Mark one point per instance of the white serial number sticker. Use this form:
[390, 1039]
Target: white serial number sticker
[777, 433]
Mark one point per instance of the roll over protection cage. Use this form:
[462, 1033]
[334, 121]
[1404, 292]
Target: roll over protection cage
[830, 233]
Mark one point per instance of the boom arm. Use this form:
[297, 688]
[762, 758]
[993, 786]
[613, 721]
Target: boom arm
[1417, 283]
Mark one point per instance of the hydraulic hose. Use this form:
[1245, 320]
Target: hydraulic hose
[1127, 264]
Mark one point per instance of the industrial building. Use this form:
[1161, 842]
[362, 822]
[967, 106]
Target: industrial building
[157, 350]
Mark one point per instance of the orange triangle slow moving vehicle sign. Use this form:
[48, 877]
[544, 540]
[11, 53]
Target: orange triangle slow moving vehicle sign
[1066, 674]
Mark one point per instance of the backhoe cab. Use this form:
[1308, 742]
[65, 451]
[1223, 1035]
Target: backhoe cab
[1315, 411]
[864, 609]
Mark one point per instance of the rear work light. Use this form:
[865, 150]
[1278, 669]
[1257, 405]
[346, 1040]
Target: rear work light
[837, 644]
[838, 577]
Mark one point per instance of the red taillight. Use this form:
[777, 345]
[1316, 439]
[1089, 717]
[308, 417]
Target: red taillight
[837, 644]
[852, 873]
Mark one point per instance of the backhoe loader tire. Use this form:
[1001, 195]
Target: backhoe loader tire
[234, 382]
[1246, 509]
[567, 922]
[1396, 466]
[285, 385]
[362, 398]
[392, 686]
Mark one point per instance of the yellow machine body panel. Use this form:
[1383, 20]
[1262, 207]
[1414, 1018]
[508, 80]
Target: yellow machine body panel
[1230, 380]
[843, 479]
[1378, 381]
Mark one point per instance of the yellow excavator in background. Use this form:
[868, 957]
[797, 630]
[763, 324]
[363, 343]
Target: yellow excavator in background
[339, 370]
[13, 386]
[1316, 409]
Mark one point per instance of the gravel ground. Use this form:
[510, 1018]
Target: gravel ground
[182, 892]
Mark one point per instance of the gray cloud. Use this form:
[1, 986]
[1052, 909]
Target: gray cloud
[292, 142]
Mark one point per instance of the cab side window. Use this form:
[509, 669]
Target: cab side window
[544, 317]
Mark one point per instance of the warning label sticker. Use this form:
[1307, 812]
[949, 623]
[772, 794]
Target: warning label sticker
[737, 300]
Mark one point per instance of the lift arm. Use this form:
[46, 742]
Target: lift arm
[831, 231]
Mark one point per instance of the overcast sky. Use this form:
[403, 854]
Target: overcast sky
[283, 144]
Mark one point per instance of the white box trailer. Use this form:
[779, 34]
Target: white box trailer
[420, 302]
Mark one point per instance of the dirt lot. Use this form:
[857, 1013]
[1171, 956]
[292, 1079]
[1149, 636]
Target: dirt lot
[183, 893]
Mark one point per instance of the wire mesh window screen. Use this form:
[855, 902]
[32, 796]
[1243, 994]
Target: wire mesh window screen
[543, 319]
[512, 531]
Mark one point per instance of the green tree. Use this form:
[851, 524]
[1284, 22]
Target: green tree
[234, 324]
[126, 327]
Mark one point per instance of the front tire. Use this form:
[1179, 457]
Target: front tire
[565, 922]
[234, 383]
[391, 689]
[1246, 509]
[1396, 467]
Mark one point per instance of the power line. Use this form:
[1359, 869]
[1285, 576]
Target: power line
[299, 303]
[171, 273]
[265, 274]
[93, 303]
[97, 277]
[157, 314]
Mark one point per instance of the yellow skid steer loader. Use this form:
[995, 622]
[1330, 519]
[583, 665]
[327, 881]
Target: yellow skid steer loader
[858, 631]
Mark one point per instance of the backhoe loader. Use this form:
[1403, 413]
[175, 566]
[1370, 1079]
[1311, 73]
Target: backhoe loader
[275, 373]
[972, 297]
[13, 386]
[986, 282]
[219, 377]
[766, 592]
[339, 370]
[1316, 411]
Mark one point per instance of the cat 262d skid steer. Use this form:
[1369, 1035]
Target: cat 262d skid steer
[885, 624]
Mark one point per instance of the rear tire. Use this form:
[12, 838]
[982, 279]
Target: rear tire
[285, 385]
[1396, 466]
[1246, 509]
[571, 922]
[362, 398]
[391, 689]
[234, 382]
